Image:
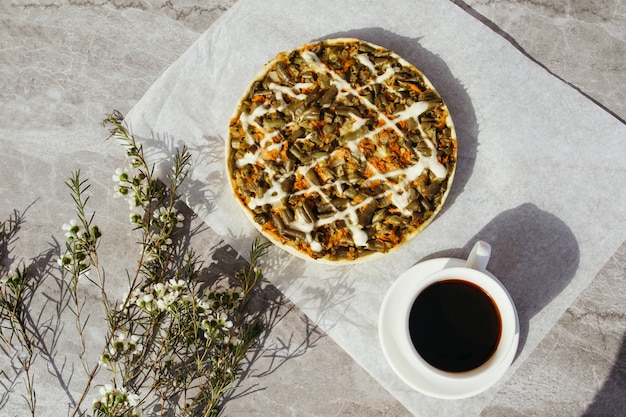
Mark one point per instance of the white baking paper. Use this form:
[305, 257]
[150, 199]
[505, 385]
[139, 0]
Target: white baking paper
[541, 169]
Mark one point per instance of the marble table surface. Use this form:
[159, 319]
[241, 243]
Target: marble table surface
[65, 63]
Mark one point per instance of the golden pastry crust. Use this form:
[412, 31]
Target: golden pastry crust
[341, 150]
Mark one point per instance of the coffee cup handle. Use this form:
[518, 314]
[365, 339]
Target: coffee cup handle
[479, 256]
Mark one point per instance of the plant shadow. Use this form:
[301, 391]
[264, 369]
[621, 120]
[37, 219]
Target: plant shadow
[266, 307]
[45, 308]
[287, 332]
[40, 312]
[207, 176]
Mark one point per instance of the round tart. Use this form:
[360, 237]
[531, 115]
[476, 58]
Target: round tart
[341, 150]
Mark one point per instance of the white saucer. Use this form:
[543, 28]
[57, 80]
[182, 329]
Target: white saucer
[394, 342]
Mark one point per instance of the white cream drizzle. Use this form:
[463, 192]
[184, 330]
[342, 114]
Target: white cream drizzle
[248, 158]
[365, 60]
[385, 76]
[248, 120]
[268, 141]
[275, 195]
[282, 89]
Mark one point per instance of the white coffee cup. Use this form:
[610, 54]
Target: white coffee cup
[475, 273]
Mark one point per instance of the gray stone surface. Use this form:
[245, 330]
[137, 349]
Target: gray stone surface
[581, 42]
[579, 369]
[63, 66]
[65, 63]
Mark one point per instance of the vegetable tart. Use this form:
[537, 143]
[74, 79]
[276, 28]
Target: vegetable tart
[340, 150]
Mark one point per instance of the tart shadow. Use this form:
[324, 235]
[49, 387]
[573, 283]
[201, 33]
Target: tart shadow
[534, 254]
[453, 93]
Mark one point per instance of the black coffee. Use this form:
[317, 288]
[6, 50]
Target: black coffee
[454, 325]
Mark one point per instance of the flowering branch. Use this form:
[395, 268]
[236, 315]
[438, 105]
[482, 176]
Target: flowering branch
[173, 339]
[169, 337]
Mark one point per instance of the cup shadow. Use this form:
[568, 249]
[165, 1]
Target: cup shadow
[534, 254]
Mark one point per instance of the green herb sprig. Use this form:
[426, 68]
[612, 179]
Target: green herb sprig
[173, 343]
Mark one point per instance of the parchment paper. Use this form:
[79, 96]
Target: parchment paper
[540, 174]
